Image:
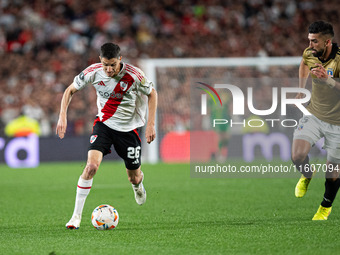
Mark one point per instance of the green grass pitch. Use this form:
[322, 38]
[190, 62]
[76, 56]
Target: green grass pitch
[182, 215]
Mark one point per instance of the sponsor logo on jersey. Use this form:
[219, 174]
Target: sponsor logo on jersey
[101, 83]
[123, 85]
[110, 95]
[93, 138]
[330, 72]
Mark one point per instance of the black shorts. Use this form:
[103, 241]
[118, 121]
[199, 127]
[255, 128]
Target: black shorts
[126, 144]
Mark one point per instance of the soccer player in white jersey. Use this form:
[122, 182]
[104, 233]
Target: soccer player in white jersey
[123, 95]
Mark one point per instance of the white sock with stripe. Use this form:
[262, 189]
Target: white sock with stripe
[83, 189]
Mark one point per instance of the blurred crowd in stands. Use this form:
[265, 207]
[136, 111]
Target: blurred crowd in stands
[45, 43]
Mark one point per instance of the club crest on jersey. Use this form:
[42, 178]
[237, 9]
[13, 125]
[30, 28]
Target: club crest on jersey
[123, 85]
[93, 138]
[330, 72]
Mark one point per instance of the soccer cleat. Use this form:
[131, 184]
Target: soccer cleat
[302, 186]
[74, 222]
[140, 192]
[322, 213]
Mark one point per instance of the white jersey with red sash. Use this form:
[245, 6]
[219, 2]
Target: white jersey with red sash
[121, 100]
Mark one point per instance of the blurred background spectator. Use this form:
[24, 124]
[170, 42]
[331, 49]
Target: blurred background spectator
[22, 126]
[44, 44]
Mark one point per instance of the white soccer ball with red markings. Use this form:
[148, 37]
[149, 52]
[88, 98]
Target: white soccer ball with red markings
[105, 217]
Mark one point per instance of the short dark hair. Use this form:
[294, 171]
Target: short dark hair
[110, 50]
[322, 27]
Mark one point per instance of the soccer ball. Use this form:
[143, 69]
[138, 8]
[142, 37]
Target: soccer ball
[104, 217]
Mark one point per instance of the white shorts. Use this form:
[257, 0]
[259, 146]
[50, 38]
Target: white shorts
[312, 129]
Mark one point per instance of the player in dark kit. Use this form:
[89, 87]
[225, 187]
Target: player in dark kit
[124, 94]
[321, 60]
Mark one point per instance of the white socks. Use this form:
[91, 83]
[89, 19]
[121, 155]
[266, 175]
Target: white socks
[83, 189]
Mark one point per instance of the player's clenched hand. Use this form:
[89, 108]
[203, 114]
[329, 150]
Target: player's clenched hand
[61, 127]
[150, 133]
[319, 71]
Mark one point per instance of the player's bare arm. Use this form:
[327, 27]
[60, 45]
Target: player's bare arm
[303, 76]
[150, 132]
[320, 72]
[65, 101]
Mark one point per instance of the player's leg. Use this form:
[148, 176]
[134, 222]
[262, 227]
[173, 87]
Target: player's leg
[223, 142]
[136, 178]
[128, 147]
[85, 180]
[300, 150]
[332, 183]
[99, 145]
[84, 186]
[305, 135]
